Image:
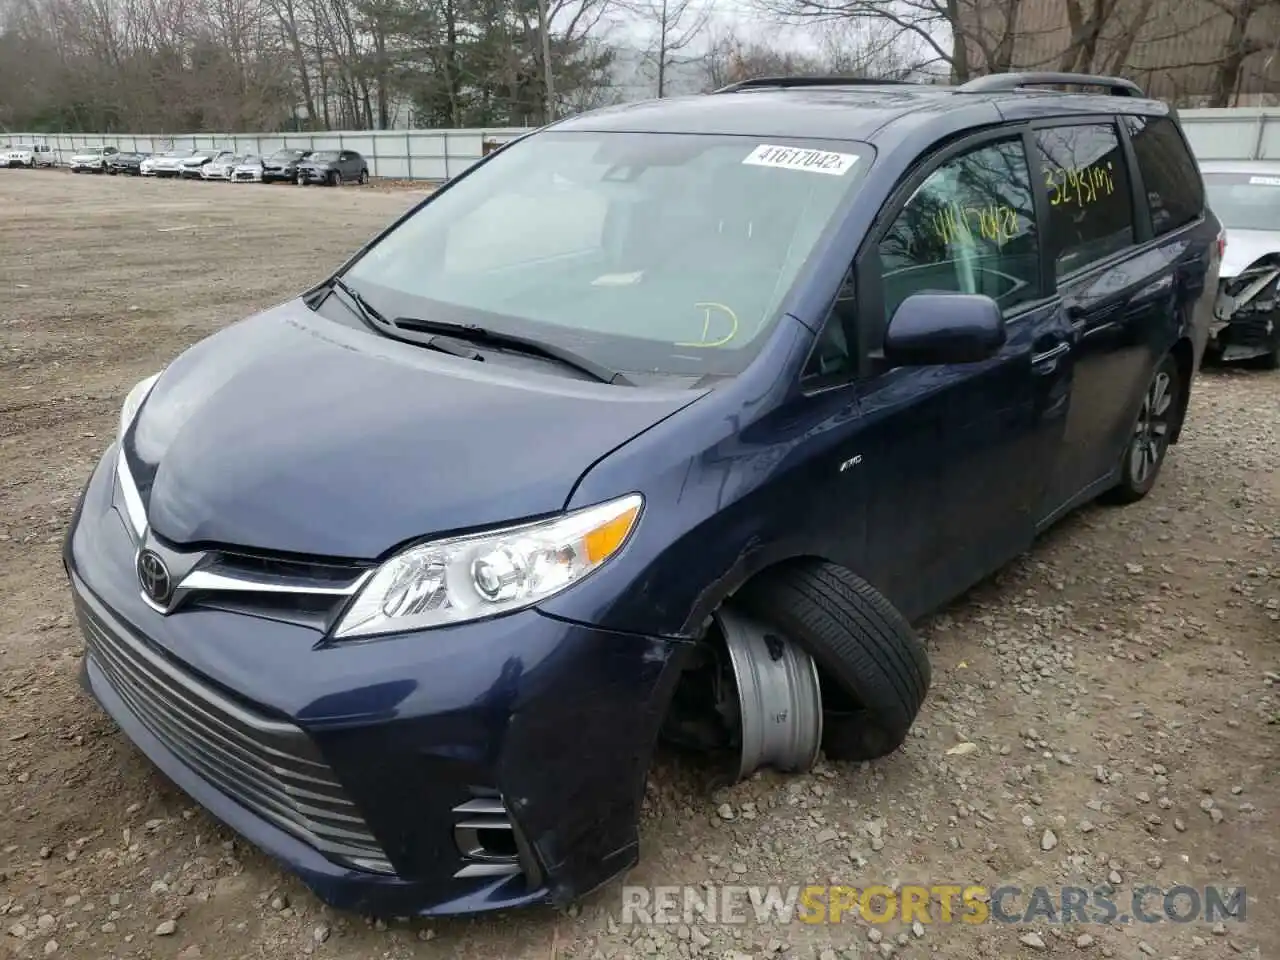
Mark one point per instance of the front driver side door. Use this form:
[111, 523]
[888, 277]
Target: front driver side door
[958, 456]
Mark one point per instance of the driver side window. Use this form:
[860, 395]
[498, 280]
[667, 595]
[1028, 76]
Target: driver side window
[969, 228]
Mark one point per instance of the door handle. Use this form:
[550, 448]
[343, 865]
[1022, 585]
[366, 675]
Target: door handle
[1049, 358]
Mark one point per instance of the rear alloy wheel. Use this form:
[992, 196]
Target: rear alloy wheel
[364, 177]
[1152, 430]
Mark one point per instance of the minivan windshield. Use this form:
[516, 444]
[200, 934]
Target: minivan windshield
[655, 253]
[1245, 201]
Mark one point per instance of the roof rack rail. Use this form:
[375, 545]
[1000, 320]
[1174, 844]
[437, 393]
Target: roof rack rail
[1011, 82]
[756, 83]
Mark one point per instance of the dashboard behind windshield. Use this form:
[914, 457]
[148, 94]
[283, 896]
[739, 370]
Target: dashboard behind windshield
[662, 253]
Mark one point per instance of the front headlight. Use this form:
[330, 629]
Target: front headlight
[133, 402]
[468, 578]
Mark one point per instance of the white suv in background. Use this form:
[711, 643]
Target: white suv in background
[93, 159]
[28, 155]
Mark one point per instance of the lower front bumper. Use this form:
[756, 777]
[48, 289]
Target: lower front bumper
[549, 723]
[1244, 336]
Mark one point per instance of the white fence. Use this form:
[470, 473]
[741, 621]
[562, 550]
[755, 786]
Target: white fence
[1242, 133]
[1236, 134]
[401, 154]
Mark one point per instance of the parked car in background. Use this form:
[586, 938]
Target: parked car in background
[333, 168]
[1245, 196]
[92, 159]
[29, 155]
[126, 162]
[283, 165]
[195, 161]
[166, 164]
[220, 167]
[761, 378]
[248, 171]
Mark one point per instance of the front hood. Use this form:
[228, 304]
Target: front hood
[85, 158]
[290, 433]
[1246, 246]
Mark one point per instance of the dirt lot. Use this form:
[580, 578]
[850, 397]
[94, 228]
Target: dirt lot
[1119, 685]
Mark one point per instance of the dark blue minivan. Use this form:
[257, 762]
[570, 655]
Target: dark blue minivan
[663, 422]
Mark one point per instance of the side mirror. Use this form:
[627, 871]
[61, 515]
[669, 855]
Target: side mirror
[943, 328]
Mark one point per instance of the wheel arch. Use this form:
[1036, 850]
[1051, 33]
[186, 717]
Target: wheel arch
[1183, 353]
[745, 570]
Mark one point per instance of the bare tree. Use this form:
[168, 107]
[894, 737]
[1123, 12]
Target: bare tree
[1238, 47]
[676, 24]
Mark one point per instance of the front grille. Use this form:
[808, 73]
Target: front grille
[268, 766]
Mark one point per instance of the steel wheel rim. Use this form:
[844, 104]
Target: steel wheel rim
[779, 696]
[1151, 433]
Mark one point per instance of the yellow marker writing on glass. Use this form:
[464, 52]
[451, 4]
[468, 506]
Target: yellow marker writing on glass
[707, 307]
[1079, 186]
[996, 223]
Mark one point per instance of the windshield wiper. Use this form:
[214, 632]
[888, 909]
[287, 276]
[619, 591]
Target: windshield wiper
[517, 344]
[370, 315]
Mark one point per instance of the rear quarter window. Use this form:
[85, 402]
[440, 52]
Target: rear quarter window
[1175, 194]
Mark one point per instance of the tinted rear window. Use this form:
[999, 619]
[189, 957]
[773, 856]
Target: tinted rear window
[1169, 173]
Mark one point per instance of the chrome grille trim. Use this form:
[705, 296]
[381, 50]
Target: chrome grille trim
[216, 573]
[270, 767]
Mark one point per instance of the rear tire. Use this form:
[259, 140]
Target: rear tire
[364, 177]
[1148, 444]
[860, 642]
[1271, 361]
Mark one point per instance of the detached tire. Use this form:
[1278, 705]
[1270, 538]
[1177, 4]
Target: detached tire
[860, 642]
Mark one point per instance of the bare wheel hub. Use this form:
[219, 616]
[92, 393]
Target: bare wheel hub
[779, 698]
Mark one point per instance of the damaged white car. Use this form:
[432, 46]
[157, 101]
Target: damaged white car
[1245, 195]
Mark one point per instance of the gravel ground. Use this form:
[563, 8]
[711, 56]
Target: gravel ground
[1105, 710]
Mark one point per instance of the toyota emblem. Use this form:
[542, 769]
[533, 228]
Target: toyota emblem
[154, 577]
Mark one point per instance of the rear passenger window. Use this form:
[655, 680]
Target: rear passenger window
[969, 228]
[1169, 174]
[1090, 203]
